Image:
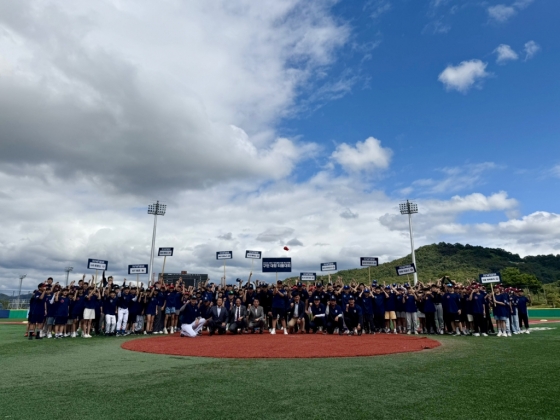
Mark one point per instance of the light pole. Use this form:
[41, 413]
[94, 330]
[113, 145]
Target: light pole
[410, 208]
[68, 269]
[21, 277]
[157, 209]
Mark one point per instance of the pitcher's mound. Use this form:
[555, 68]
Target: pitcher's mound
[281, 346]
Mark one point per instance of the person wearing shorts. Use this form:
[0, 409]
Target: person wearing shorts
[390, 309]
[170, 301]
[37, 312]
[62, 307]
[279, 297]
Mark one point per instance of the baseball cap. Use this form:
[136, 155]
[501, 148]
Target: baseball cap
[366, 290]
[333, 297]
[351, 297]
[317, 297]
[299, 284]
[193, 297]
[346, 287]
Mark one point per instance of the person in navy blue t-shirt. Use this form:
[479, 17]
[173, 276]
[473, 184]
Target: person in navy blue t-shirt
[476, 300]
[279, 301]
[353, 317]
[62, 305]
[37, 312]
[409, 300]
[522, 301]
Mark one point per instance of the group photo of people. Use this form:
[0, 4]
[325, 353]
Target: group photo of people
[86, 309]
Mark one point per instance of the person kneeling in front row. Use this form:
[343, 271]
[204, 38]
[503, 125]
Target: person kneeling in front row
[191, 320]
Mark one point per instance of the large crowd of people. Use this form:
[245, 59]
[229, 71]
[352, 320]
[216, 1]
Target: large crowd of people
[440, 307]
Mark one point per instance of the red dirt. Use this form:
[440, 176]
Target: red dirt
[280, 346]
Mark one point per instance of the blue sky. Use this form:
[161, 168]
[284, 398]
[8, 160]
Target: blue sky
[274, 123]
[511, 119]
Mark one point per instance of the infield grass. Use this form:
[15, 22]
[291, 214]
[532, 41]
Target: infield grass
[465, 378]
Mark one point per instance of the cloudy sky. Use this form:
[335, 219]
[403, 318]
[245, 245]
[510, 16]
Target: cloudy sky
[274, 122]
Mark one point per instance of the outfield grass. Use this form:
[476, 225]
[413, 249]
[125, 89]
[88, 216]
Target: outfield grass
[465, 378]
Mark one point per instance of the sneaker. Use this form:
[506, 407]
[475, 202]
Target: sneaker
[145, 333]
[415, 332]
[395, 332]
[476, 335]
[499, 334]
[457, 334]
[273, 331]
[408, 332]
[165, 331]
[509, 334]
[484, 335]
[49, 336]
[527, 332]
[285, 331]
[73, 335]
[336, 331]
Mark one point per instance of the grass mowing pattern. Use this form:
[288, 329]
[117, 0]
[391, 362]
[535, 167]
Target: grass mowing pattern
[465, 378]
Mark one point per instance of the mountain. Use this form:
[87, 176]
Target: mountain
[462, 262]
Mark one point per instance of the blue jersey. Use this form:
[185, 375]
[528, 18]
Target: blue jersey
[410, 304]
[109, 306]
[367, 304]
[522, 304]
[318, 309]
[390, 302]
[190, 314]
[477, 304]
[379, 300]
[90, 302]
[451, 303]
[62, 306]
[279, 299]
[429, 306]
[37, 305]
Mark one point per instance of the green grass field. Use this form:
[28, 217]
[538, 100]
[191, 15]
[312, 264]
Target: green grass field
[465, 378]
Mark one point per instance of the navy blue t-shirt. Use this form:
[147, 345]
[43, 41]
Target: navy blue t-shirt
[379, 303]
[429, 306]
[279, 299]
[477, 304]
[451, 302]
[390, 304]
[109, 306]
[91, 302]
[410, 304]
[62, 306]
[522, 304]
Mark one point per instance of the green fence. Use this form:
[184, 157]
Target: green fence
[18, 313]
[544, 313]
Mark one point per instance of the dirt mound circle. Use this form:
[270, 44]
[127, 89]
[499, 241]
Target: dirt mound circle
[266, 346]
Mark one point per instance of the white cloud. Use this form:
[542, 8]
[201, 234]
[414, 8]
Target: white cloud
[531, 48]
[502, 13]
[505, 54]
[120, 90]
[377, 7]
[366, 156]
[463, 76]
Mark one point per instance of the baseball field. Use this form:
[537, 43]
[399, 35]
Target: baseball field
[463, 378]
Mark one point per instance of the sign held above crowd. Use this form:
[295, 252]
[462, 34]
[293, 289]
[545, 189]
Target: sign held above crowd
[330, 266]
[165, 252]
[403, 270]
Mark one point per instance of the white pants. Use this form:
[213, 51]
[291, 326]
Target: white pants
[123, 319]
[191, 330]
[110, 323]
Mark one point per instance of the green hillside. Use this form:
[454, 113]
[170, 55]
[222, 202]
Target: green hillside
[462, 262]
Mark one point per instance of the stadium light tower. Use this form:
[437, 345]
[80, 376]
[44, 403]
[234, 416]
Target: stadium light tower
[411, 208]
[157, 209]
[68, 269]
[21, 277]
